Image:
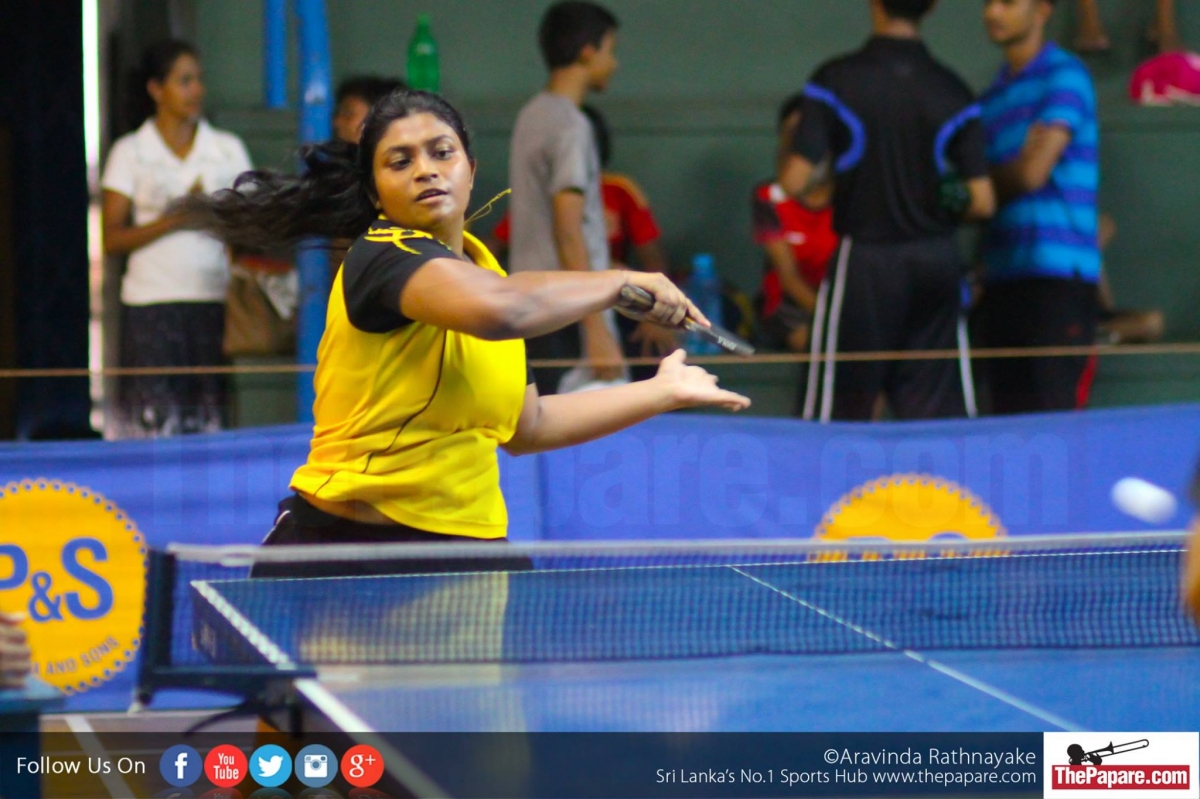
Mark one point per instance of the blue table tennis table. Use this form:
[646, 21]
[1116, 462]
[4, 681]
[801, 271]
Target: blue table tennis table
[717, 666]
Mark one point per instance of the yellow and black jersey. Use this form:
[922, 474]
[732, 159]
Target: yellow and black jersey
[408, 415]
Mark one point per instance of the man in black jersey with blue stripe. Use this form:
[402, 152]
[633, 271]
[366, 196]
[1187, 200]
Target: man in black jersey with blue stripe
[901, 134]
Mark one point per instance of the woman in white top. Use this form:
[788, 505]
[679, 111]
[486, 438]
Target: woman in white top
[173, 291]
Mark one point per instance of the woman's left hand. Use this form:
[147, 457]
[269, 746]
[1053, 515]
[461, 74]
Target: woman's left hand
[693, 387]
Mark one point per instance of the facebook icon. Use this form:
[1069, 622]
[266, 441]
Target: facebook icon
[181, 765]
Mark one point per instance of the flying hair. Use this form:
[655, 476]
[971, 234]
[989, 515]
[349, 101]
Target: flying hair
[333, 197]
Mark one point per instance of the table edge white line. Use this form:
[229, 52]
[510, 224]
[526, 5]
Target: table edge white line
[349, 722]
[86, 735]
[245, 628]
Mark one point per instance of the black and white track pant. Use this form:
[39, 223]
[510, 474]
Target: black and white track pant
[891, 297]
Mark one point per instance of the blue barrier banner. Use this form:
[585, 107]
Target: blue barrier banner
[76, 519]
[686, 476]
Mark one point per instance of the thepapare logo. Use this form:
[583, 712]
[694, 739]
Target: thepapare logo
[910, 507]
[74, 564]
[1092, 764]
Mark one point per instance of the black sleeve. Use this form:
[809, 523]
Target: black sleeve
[968, 151]
[376, 270]
[814, 137]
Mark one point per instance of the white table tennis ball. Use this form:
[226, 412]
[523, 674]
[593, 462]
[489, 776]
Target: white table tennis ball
[1144, 501]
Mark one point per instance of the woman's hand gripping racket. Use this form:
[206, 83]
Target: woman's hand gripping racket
[636, 303]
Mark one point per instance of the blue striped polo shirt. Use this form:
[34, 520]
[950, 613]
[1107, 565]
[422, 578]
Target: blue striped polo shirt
[1051, 232]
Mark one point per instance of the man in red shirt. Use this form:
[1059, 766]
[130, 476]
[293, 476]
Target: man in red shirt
[798, 240]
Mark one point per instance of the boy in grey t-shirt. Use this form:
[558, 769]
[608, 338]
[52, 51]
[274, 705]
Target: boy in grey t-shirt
[554, 171]
[553, 151]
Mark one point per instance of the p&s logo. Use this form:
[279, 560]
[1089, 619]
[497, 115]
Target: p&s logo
[74, 564]
[910, 507]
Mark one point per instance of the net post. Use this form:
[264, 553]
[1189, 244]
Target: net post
[156, 625]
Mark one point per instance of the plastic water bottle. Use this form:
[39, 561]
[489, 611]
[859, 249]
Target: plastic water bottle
[704, 289]
[423, 71]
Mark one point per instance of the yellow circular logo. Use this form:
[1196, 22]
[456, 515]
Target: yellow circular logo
[909, 507]
[75, 565]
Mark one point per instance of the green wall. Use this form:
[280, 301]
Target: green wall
[693, 110]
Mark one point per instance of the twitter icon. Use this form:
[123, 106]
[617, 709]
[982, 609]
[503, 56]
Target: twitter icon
[270, 766]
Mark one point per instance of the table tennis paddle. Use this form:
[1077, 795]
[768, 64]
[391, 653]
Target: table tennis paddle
[636, 302]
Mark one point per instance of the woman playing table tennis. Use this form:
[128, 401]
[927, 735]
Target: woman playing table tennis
[421, 371]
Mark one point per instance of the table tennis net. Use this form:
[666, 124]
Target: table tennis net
[471, 603]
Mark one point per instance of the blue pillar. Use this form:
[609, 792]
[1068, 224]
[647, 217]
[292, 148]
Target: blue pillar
[275, 53]
[312, 262]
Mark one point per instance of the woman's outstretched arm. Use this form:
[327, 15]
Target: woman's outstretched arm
[564, 420]
[456, 295]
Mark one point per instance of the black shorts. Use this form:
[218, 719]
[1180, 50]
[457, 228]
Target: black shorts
[900, 297]
[1038, 312]
[299, 523]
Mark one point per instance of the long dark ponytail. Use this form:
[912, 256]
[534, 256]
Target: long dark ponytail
[333, 196]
